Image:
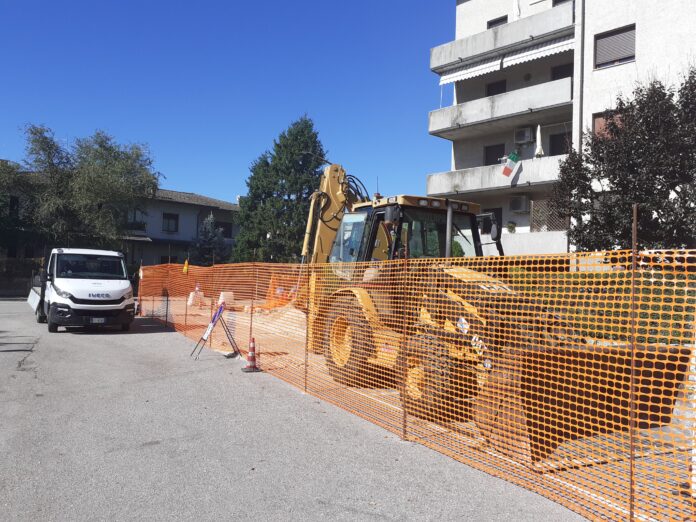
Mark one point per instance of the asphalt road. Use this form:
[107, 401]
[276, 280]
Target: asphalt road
[104, 425]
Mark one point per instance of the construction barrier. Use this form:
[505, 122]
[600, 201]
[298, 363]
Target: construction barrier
[571, 375]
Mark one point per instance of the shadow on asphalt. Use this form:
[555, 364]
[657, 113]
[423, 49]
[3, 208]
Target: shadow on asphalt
[141, 325]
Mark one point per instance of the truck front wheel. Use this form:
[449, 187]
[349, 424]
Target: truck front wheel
[52, 327]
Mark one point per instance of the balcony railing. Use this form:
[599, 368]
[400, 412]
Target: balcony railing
[519, 108]
[136, 226]
[478, 179]
[547, 25]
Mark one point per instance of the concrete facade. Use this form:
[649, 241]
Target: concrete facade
[536, 69]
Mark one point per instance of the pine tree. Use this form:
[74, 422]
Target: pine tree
[645, 155]
[274, 212]
[210, 246]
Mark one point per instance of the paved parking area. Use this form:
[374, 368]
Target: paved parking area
[111, 426]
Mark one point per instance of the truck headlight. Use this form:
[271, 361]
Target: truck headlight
[62, 293]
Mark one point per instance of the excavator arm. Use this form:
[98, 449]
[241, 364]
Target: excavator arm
[338, 192]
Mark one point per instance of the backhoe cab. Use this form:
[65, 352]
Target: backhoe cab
[349, 227]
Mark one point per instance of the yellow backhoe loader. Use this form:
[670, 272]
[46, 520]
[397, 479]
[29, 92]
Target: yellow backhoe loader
[459, 343]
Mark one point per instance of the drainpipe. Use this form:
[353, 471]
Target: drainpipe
[581, 79]
[448, 235]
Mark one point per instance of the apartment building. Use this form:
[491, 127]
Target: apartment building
[532, 77]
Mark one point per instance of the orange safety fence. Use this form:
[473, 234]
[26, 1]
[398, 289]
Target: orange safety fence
[572, 375]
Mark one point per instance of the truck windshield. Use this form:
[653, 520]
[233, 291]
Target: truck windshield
[426, 233]
[85, 266]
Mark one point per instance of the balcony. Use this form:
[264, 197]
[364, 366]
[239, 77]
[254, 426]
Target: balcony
[478, 179]
[136, 226]
[550, 24]
[502, 112]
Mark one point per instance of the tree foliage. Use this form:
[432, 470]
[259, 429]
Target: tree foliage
[274, 212]
[80, 193]
[17, 199]
[210, 246]
[645, 155]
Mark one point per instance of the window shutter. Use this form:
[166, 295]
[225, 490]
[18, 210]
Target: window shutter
[615, 47]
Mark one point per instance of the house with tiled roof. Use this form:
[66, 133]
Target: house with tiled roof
[165, 231]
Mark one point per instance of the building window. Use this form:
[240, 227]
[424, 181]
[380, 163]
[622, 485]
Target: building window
[560, 143]
[559, 2]
[599, 123]
[497, 21]
[170, 222]
[615, 47]
[544, 218]
[226, 229]
[487, 221]
[136, 220]
[562, 71]
[496, 88]
[492, 154]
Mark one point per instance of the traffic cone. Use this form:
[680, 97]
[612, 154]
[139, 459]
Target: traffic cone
[251, 358]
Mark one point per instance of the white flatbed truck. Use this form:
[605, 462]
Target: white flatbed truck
[82, 287]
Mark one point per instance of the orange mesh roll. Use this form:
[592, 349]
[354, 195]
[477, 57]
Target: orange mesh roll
[572, 375]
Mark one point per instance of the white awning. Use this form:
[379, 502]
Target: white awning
[470, 71]
[539, 51]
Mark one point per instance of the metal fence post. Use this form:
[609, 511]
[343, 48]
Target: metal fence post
[400, 368]
[308, 316]
[166, 295]
[632, 401]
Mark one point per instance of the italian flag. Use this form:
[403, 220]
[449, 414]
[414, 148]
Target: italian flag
[510, 164]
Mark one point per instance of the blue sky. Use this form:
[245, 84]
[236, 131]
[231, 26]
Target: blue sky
[208, 85]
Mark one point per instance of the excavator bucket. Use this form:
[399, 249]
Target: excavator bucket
[537, 400]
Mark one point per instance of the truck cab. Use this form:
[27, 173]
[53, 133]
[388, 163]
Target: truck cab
[82, 287]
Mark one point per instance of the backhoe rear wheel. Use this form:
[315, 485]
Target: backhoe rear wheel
[348, 343]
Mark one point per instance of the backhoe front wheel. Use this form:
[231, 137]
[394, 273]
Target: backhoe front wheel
[433, 387]
[348, 342]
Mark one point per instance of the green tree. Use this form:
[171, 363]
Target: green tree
[110, 181]
[80, 193]
[210, 246]
[274, 212]
[646, 155]
[17, 201]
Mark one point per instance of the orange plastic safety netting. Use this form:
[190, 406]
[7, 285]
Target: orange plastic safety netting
[572, 375]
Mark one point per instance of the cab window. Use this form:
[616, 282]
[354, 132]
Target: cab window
[383, 239]
[426, 234]
[346, 247]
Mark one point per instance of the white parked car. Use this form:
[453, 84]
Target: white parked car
[81, 287]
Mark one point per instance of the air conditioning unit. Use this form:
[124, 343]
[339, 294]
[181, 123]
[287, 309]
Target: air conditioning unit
[524, 135]
[519, 204]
